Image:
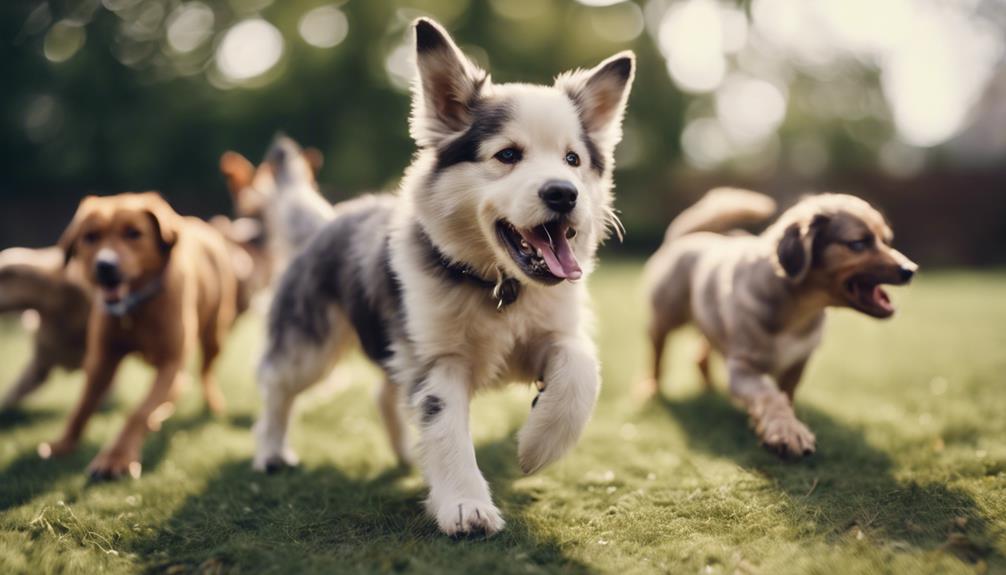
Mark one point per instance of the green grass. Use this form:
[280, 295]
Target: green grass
[910, 474]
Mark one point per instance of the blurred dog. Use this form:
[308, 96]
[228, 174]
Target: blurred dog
[281, 195]
[36, 279]
[760, 300]
[164, 285]
[468, 278]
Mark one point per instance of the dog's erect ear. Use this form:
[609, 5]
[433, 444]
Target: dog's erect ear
[446, 88]
[166, 220]
[68, 241]
[795, 251]
[315, 159]
[238, 171]
[601, 94]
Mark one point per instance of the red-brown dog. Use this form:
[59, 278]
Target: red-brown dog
[164, 284]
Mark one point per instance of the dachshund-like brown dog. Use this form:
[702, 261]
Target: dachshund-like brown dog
[760, 300]
[164, 284]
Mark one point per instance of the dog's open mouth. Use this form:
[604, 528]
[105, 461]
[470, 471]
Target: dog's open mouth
[864, 292]
[543, 252]
[114, 294]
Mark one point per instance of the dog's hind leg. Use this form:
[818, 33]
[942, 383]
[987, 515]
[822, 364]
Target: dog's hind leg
[702, 361]
[293, 362]
[560, 412]
[390, 406]
[211, 392]
[31, 378]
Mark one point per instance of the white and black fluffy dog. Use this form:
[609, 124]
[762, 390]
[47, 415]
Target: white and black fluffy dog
[470, 277]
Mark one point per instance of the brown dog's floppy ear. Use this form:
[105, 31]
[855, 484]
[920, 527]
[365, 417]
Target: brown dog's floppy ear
[238, 171]
[166, 220]
[68, 241]
[446, 88]
[795, 251]
[315, 159]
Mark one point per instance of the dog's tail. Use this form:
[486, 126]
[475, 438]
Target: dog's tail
[721, 210]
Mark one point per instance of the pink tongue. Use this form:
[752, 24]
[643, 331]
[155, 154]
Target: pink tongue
[560, 260]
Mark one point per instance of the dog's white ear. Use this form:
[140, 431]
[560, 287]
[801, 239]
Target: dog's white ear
[446, 88]
[601, 94]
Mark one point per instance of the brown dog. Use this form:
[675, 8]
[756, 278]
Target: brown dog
[164, 284]
[36, 279]
[760, 300]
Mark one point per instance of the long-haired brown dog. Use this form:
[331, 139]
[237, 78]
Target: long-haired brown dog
[760, 300]
[164, 284]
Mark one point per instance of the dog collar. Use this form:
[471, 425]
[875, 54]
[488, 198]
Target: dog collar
[504, 290]
[129, 303]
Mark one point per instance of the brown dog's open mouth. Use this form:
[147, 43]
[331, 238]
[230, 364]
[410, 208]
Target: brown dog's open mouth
[865, 293]
[114, 295]
[543, 252]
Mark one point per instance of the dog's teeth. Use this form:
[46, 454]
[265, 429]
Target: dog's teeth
[524, 245]
[539, 253]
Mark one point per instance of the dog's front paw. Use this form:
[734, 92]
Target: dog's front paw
[57, 448]
[275, 462]
[462, 516]
[787, 436]
[113, 464]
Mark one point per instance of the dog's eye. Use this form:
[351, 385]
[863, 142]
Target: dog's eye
[860, 245]
[508, 155]
[131, 234]
[573, 159]
[90, 237]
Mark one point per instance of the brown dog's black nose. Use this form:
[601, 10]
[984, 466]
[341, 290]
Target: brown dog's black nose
[906, 273]
[559, 195]
[107, 273]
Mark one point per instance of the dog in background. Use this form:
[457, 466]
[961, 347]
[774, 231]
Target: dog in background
[760, 300]
[36, 279]
[164, 284]
[278, 203]
[471, 277]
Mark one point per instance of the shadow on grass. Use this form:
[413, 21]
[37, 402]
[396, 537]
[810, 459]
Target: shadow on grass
[29, 476]
[322, 519]
[21, 416]
[847, 489]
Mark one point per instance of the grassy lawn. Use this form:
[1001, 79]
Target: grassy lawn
[910, 474]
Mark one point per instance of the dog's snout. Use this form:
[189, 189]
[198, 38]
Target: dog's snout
[106, 270]
[907, 272]
[559, 195]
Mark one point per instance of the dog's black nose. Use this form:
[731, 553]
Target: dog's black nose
[559, 195]
[107, 273]
[906, 273]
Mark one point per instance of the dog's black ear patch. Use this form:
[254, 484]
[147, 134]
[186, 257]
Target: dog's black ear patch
[791, 253]
[431, 408]
[428, 36]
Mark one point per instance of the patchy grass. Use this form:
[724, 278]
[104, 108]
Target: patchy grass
[910, 476]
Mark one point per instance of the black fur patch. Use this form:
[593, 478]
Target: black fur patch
[428, 37]
[488, 121]
[431, 408]
[596, 159]
[346, 265]
[792, 256]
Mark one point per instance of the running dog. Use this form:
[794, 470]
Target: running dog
[473, 275]
[760, 300]
[279, 202]
[164, 284]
